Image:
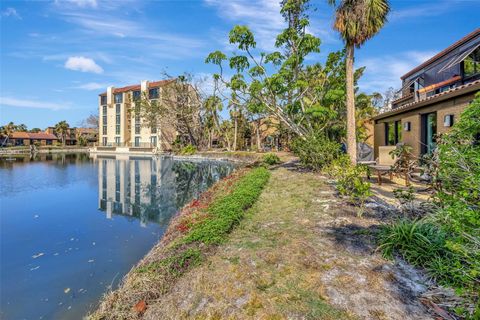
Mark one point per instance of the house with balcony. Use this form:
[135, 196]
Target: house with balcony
[433, 96]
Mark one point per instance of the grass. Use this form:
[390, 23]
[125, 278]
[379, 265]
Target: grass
[205, 222]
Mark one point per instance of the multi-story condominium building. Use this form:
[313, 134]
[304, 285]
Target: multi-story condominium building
[119, 126]
[433, 96]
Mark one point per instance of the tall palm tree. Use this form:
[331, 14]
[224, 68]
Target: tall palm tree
[61, 129]
[357, 21]
[6, 131]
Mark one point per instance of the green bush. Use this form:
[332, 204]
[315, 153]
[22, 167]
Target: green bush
[271, 159]
[316, 151]
[447, 242]
[229, 210]
[350, 183]
[188, 150]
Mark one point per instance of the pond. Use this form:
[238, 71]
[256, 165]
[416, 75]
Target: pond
[71, 226]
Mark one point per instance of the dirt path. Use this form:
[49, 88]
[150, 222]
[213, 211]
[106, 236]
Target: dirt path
[301, 254]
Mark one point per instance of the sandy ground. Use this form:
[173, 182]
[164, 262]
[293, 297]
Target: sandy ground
[302, 253]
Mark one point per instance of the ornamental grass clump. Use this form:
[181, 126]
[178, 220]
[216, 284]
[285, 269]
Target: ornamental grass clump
[271, 159]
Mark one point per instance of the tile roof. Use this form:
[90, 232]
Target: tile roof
[468, 87]
[153, 84]
[31, 135]
[442, 53]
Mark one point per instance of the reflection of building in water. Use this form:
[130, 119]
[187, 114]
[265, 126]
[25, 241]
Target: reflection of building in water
[152, 189]
[137, 187]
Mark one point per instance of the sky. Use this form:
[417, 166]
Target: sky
[57, 56]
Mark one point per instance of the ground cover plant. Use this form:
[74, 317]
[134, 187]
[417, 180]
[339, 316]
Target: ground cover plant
[271, 159]
[447, 241]
[203, 223]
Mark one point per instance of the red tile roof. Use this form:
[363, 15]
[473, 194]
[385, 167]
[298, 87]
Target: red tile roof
[452, 47]
[34, 136]
[153, 84]
[469, 87]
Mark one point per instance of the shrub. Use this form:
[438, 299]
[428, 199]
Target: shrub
[229, 210]
[350, 183]
[316, 151]
[447, 242]
[405, 199]
[188, 150]
[271, 159]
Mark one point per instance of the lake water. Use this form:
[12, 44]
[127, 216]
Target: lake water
[71, 226]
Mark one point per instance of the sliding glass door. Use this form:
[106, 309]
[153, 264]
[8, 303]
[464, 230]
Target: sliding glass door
[429, 132]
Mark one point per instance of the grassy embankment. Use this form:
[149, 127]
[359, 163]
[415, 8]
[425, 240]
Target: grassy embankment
[202, 225]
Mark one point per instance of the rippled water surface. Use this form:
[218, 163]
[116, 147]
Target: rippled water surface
[72, 225]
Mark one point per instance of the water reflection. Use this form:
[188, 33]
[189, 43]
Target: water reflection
[72, 225]
[152, 189]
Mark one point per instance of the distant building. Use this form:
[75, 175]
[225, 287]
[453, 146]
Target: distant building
[433, 96]
[120, 127]
[22, 138]
[73, 135]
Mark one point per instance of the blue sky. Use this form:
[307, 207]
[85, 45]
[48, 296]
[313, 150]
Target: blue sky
[56, 56]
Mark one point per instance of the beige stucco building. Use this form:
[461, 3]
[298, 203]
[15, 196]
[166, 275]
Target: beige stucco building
[120, 127]
[434, 94]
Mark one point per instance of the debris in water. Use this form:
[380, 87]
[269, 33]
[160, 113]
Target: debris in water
[35, 256]
[67, 290]
[36, 216]
[56, 254]
[31, 269]
[93, 243]
[91, 260]
[69, 307]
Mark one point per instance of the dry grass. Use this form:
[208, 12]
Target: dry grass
[300, 254]
[294, 257]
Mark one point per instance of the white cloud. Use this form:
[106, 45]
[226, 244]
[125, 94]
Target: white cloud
[419, 10]
[92, 86]
[83, 64]
[79, 3]
[23, 103]
[264, 19]
[384, 72]
[10, 12]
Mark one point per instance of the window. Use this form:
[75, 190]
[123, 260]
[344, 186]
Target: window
[104, 119]
[104, 110]
[117, 119]
[137, 128]
[104, 130]
[393, 133]
[104, 140]
[103, 100]
[118, 98]
[153, 93]
[118, 108]
[136, 95]
[471, 64]
[117, 140]
[153, 141]
[117, 129]
[137, 141]
[153, 130]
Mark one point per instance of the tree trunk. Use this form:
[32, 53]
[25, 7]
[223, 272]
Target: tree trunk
[351, 139]
[259, 142]
[235, 134]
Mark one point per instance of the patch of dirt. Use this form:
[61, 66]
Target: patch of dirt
[302, 253]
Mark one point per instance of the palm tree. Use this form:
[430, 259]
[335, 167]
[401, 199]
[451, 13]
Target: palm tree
[61, 129]
[357, 21]
[6, 131]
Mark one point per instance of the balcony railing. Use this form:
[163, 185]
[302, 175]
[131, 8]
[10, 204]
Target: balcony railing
[125, 144]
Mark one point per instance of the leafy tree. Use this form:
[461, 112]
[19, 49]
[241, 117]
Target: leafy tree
[35, 130]
[357, 21]
[6, 131]
[90, 122]
[61, 129]
[282, 92]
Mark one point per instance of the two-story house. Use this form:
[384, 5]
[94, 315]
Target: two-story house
[433, 96]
